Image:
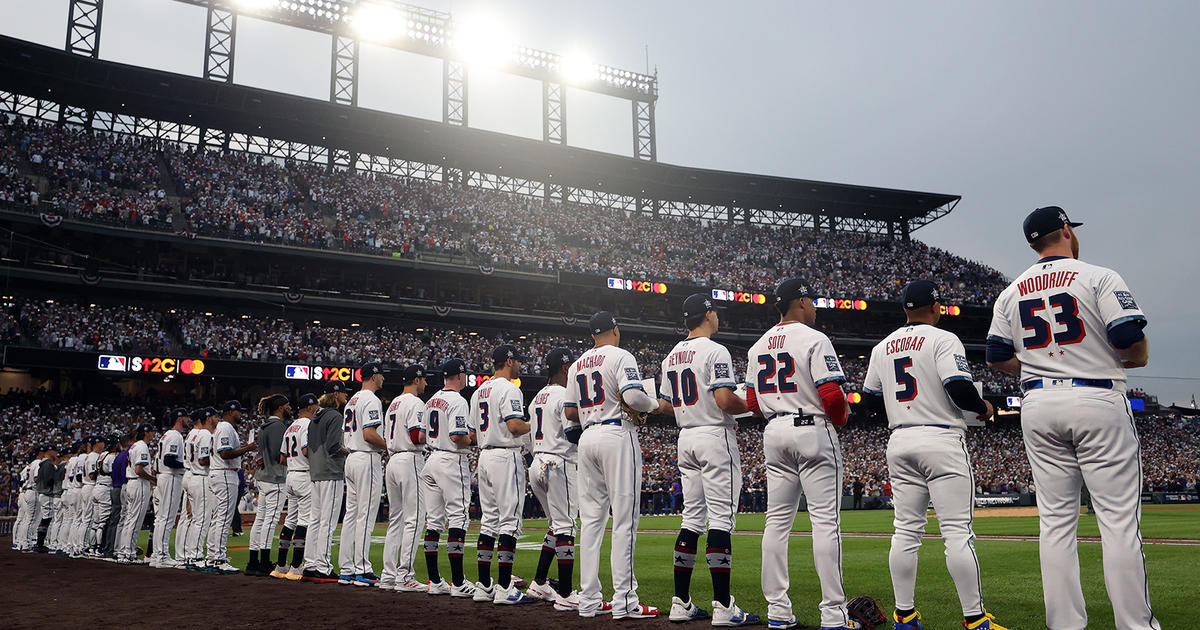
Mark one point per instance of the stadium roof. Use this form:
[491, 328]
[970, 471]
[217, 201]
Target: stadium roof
[51, 74]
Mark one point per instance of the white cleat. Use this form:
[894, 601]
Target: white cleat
[411, 586]
[483, 594]
[732, 615]
[641, 612]
[464, 590]
[438, 588]
[541, 591]
[387, 586]
[605, 608]
[682, 611]
[512, 596]
[570, 603]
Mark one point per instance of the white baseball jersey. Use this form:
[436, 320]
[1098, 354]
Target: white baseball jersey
[447, 414]
[596, 380]
[170, 444]
[139, 453]
[71, 479]
[910, 369]
[549, 423]
[197, 446]
[27, 476]
[787, 364]
[492, 405]
[295, 440]
[691, 372]
[1056, 316]
[89, 467]
[224, 438]
[364, 410]
[406, 412]
[104, 469]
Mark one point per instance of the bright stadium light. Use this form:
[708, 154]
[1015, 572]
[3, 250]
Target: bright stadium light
[257, 5]
[576, 68]
[378, 23]
[483, 42]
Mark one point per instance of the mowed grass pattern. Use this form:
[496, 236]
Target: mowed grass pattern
[1011, 573]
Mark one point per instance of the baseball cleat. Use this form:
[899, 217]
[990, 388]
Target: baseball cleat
[541, 591]
[366, 579]
[294, 574]
[316, 577]
[782, 624]
[686, 611]
[512, 596]
[439, 588]
[411, 586]
[345, 579]
[732, 615]
[641, 612]
[850, 625]
[224, 568]
[987, 623]
[387, 586]
[911, 622]
[279, 572]
[479, 592]
[569, 603]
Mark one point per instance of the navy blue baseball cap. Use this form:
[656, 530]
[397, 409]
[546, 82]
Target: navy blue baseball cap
[602, 322]
[332, 387]
[203, 413]
[177, 413]
[557, 358]
[920, 293]
[1045, 220]
[506, 351]
[232, 405]
[792, 289]
[453, 367]
[307, 400]
[369, 369]
[414, 372]
[698, 303]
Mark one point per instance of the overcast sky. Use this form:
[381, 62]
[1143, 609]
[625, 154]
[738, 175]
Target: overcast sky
[1013, 105]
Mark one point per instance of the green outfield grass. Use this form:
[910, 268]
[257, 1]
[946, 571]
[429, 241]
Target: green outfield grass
[1011, 575]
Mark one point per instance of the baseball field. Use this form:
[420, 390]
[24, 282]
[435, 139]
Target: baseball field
[1007, 549]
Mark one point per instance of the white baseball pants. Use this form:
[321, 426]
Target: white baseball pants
[135, 499]
[932, 463]
[406, 515]
[710, 470]
[222, 488]
[327, 505]
[193, 527]
[552, 479]
[170, 495]
[299, 491]
[446, 491]
[501, 473]
[804, 460]
[83, 519]
[27, 508]
[1086, 435]
[364, 486]
[63, 508]
[101, 508]
[266, 514]
[610, 475]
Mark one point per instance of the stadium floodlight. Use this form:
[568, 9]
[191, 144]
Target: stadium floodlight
[484, 42]
[378, 22]
[576, 69]
[255, 6]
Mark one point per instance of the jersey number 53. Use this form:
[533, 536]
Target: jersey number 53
[1033, 318]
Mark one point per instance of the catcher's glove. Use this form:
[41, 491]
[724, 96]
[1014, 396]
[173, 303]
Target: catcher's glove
[635, 416]
[865, 611]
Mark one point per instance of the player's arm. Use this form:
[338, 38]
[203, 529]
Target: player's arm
[1123, 319]
[872, 389]
[514, 413]
[171, 458]
[374, 420]
[828, 376]
[571, 398]
[955, 372]
[724, 383]
[417, 432]
[1001, 353]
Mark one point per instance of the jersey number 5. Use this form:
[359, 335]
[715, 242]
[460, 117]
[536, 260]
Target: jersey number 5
[905, 380]
[1067, 315]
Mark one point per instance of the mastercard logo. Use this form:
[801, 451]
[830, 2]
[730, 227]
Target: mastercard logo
[659, 287]
[951, 310]
[860, 305]
[191, 366]
[760, 298]
[854, 397]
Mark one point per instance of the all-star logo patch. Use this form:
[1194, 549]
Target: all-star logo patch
[1125, 299]
[632, 374]
[831, 363]
[516, 404]
[962, 363]
[721, 370]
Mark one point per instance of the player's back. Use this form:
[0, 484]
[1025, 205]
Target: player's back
[910, 369]
[171, 443]
[295, 440]
[492, 405]
[787, 365]
[445, 416]
[362, 411]
[1057, 314]
[596, 380]
[139, 453]
[548, 430]
[691, 372]
[224, 438]
[406, 412]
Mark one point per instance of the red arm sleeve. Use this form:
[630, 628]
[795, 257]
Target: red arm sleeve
[834, 402]
[752, 401]
[414, 436]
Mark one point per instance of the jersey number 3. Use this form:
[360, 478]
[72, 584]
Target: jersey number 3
[1067, 315]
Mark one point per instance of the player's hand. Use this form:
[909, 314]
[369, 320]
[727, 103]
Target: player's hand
[250, 447]
[987, 415]
[258, 462]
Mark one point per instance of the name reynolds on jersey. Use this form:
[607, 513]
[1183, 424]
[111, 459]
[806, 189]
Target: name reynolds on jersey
[1044, 281]
[905, 344]
[683, 356]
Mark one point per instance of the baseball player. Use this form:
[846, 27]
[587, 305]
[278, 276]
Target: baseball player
[404, 429]
[552, 477]
[610, 465]
[298, 490]
[699, 383]
[105, 498]
[169, 489]
[47, 472]
[135, 494]
[326, 469]
[197, 456]
[363, 417]
[269, 481]
[80, 538]
[25, 530]
[498, 413]
[794, 381]
[446, 479]
[64, 512]
[920, 375]
[225, 461]
[1070, 330]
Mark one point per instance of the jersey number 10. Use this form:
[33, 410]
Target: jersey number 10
[683, 388]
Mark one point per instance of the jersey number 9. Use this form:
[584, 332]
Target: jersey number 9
[433, 423]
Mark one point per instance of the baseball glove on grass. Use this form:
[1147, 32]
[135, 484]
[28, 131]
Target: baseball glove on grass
[865, 611]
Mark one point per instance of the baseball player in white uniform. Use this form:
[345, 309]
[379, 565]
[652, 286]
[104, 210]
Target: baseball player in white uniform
[27, 504]
[1070, 329]
[81, 534]
[793, 380]
[269, 480]
[197, 456]
[298, 490]
[224, 462]
[553, 477]
[498, 414]
[64, 517]
[610, 466]
[699, 383]
[364, 478]
[404, 430]
[446, 479]
[135, 494]
[170, 488]
[921, 376]
[102, 494]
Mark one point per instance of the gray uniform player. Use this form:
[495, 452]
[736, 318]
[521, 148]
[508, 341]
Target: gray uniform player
[269, 480]
[699, 382]
[1070, 329]
[920, 375]
[405, 432]
[326, 469]
[552, 477]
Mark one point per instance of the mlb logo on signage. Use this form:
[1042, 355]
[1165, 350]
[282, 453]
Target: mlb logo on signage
[111, 363]
[297, 372]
